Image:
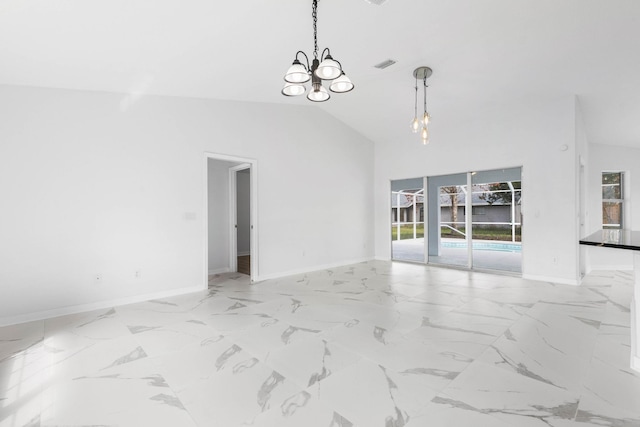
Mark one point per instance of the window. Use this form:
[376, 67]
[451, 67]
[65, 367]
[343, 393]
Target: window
[612, 199]
[478, 210]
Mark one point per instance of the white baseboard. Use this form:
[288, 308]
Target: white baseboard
[610, 267]
[558, 280]
[310, 269]
[75, 309]
[220, 270]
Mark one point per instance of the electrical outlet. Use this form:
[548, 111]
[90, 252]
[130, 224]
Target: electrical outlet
[137, 274]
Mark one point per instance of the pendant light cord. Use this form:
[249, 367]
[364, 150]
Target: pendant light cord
[425, 94]
[314, 14]
[415, 104]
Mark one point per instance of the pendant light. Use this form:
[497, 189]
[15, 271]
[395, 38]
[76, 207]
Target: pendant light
[421, 124]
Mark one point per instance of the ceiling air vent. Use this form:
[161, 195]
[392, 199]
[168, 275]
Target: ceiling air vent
[385, 64]
[376, 2]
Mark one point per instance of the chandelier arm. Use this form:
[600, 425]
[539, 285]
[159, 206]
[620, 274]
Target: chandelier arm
[322, 57]
[305, 57]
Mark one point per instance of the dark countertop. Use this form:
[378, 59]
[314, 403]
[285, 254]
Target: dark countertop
[621, 239]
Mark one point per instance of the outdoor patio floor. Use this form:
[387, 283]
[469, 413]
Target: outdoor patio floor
[413, 250]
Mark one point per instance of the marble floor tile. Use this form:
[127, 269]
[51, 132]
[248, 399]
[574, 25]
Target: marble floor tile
[308, 362]
[95, 325]
[197, 362]
[68, 363]
[310, 311]
[270, 335]
[614, 385]
[444, 412]
[510, 397]
[236, 394]
[125, 395]
[536, 362]
[362, 337]
[555, 333]
[21, 385]
[167, 339]
[364, 345]
[466, 334]
[233, 321]
[504, 313]
[368, 394]
[301, 409]
[615, 324]
[18, 338]
[594, 411]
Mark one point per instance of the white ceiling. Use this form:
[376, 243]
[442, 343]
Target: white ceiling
[483, 53]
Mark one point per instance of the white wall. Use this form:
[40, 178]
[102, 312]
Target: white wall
[243, 193]
[100, 183]
[531, 135]
[613, 158]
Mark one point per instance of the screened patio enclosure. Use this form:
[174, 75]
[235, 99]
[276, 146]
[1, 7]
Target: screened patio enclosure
[430, 224]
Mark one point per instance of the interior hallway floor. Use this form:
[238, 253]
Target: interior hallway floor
[371, 344]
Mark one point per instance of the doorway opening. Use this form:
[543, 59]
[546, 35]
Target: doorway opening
[231, 216]
[240, 218]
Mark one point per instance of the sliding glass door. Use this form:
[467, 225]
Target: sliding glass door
[496, 219]
[407, 220]
[473, 220]
[447, 198]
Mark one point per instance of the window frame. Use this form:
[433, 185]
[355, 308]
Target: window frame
[620, 201]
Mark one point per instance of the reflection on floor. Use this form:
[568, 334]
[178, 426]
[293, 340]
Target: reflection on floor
[413, 250]
[244, 264]
[372, 344]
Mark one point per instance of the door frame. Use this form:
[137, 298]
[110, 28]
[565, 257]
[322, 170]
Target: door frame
[253, 165]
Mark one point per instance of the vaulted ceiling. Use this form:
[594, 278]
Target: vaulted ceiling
[483, 53]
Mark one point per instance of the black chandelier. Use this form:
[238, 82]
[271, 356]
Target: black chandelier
[325, 68]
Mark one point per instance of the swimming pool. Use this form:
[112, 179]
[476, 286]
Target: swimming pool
[486, 246]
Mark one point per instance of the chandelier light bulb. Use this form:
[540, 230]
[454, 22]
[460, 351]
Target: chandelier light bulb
[415, 125]
[297, 73]
[319, 95]
[329, 69]
[341, 85]
[293, 89]
[426, 118]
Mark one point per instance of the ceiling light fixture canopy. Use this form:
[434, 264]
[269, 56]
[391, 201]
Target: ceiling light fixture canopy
[323, 68]
[421, 124]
